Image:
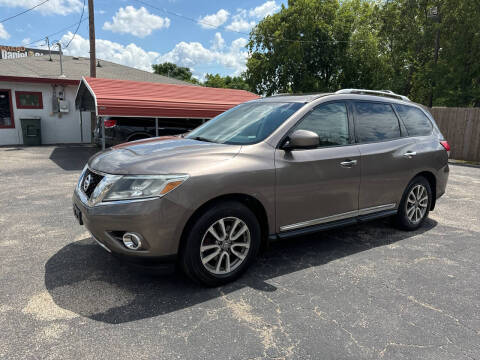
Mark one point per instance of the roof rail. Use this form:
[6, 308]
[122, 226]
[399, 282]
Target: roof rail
[386, 93]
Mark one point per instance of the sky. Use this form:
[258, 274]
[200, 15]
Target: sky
[206, 36]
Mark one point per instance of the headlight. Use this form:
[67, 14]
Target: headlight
[143, 186]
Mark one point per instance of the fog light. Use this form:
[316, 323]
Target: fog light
[132, 241]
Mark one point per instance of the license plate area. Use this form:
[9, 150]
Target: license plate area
[78, 214]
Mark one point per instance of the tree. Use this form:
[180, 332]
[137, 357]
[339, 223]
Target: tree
[425, 49]
[218, 81]
[172, 70]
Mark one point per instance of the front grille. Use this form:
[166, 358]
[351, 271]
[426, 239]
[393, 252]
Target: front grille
[90, 182]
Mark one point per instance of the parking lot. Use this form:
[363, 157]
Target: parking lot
[363, 292]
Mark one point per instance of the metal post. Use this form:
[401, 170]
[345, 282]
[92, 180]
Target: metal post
[81, 127]
[61, 61]
[102, 122]
[156, 126]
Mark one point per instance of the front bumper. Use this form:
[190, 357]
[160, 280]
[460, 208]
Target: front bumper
[159, 221]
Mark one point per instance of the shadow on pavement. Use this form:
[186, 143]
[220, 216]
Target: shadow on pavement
[85, 279]
[72, 157]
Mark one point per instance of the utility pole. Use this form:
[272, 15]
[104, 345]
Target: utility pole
[93, 69]
[91, 26]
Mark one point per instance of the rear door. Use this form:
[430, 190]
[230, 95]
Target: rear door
[387, 156]
[319, 185]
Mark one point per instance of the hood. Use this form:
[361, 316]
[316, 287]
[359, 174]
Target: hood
[164, 155]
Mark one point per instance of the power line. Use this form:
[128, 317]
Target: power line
[23, 12]
[236, 31]
[55, 33]
[78, 26]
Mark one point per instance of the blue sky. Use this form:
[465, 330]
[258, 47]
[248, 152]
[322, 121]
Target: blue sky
[135, 34]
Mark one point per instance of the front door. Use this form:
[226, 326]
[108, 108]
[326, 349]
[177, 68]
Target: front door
[315, 186]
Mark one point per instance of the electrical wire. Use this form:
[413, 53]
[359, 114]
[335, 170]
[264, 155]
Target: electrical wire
[76, 30]
[55, 33]
[236, 31]
[23, 12]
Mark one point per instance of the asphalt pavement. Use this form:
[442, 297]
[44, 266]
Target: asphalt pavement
[362, 292]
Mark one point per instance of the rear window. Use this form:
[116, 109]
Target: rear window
[375, 122]
[416, 122]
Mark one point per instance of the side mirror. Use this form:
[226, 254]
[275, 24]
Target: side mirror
[301, 139]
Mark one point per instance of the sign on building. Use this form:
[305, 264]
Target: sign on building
[14, 52]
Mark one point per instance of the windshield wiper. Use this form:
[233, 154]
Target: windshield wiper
[200, 138]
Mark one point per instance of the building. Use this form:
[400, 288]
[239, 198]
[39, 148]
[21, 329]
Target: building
[32, 86]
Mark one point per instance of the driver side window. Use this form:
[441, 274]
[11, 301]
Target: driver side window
[329, 122]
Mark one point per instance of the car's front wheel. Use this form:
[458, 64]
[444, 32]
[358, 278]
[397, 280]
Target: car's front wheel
[415, 204]
[221, 244]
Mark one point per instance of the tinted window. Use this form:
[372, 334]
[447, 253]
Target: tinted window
[375, 122]
[416, 122]
[330, 122]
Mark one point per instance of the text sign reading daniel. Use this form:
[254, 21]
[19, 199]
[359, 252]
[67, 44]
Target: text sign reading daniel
[15, 52]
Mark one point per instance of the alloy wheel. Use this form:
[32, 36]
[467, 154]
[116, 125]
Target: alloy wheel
[225, 245]
[417, 203]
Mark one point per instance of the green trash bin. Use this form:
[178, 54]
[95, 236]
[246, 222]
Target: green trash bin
[32, 131]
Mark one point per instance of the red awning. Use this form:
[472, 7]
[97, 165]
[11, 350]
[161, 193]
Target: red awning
[133, 98]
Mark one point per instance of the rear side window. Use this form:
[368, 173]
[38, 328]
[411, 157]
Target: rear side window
[376, 122]
[330, 122]
[416, 122]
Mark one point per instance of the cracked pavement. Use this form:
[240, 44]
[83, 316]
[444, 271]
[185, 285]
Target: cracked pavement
[362, 292]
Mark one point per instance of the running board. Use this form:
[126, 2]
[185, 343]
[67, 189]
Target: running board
[332, 225]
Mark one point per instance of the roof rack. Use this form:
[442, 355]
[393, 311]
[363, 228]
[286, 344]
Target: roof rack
[386, 93]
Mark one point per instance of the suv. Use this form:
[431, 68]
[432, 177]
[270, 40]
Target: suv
[122, 129]
[276, 167]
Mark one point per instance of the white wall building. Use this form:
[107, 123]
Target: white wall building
[34, 87]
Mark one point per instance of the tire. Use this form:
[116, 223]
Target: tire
[411, 215]
[207, 233]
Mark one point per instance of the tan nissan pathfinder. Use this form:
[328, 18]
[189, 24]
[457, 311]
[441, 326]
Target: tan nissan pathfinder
[276, 167]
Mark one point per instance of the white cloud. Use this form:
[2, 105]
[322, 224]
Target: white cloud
[240, 24]
[26, 41]
[138, 22]
[129, 55]
[191, 54]
[3, 33]
[52, 7]
[215, 20]
[194, 54]
[267, 8]
[218, 43]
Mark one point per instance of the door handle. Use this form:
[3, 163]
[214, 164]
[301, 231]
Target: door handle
[348, 163]
[410, 154]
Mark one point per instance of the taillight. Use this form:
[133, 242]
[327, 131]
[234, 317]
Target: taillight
[110, 123]
[444, 143]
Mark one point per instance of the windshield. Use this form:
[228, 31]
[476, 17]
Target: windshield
[246, 123]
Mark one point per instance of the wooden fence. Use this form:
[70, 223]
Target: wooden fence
[461, 127]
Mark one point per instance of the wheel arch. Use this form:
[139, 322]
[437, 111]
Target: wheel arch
[432, 180]
[249, 201]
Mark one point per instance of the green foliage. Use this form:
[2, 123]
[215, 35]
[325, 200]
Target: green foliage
[172, 70]
[185, 74]
[218, 81]
[325, 45]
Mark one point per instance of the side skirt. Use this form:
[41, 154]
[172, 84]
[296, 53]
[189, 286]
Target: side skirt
[332, 225]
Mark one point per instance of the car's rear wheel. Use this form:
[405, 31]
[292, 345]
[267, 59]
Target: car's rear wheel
[415, 204]
[221, 244]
